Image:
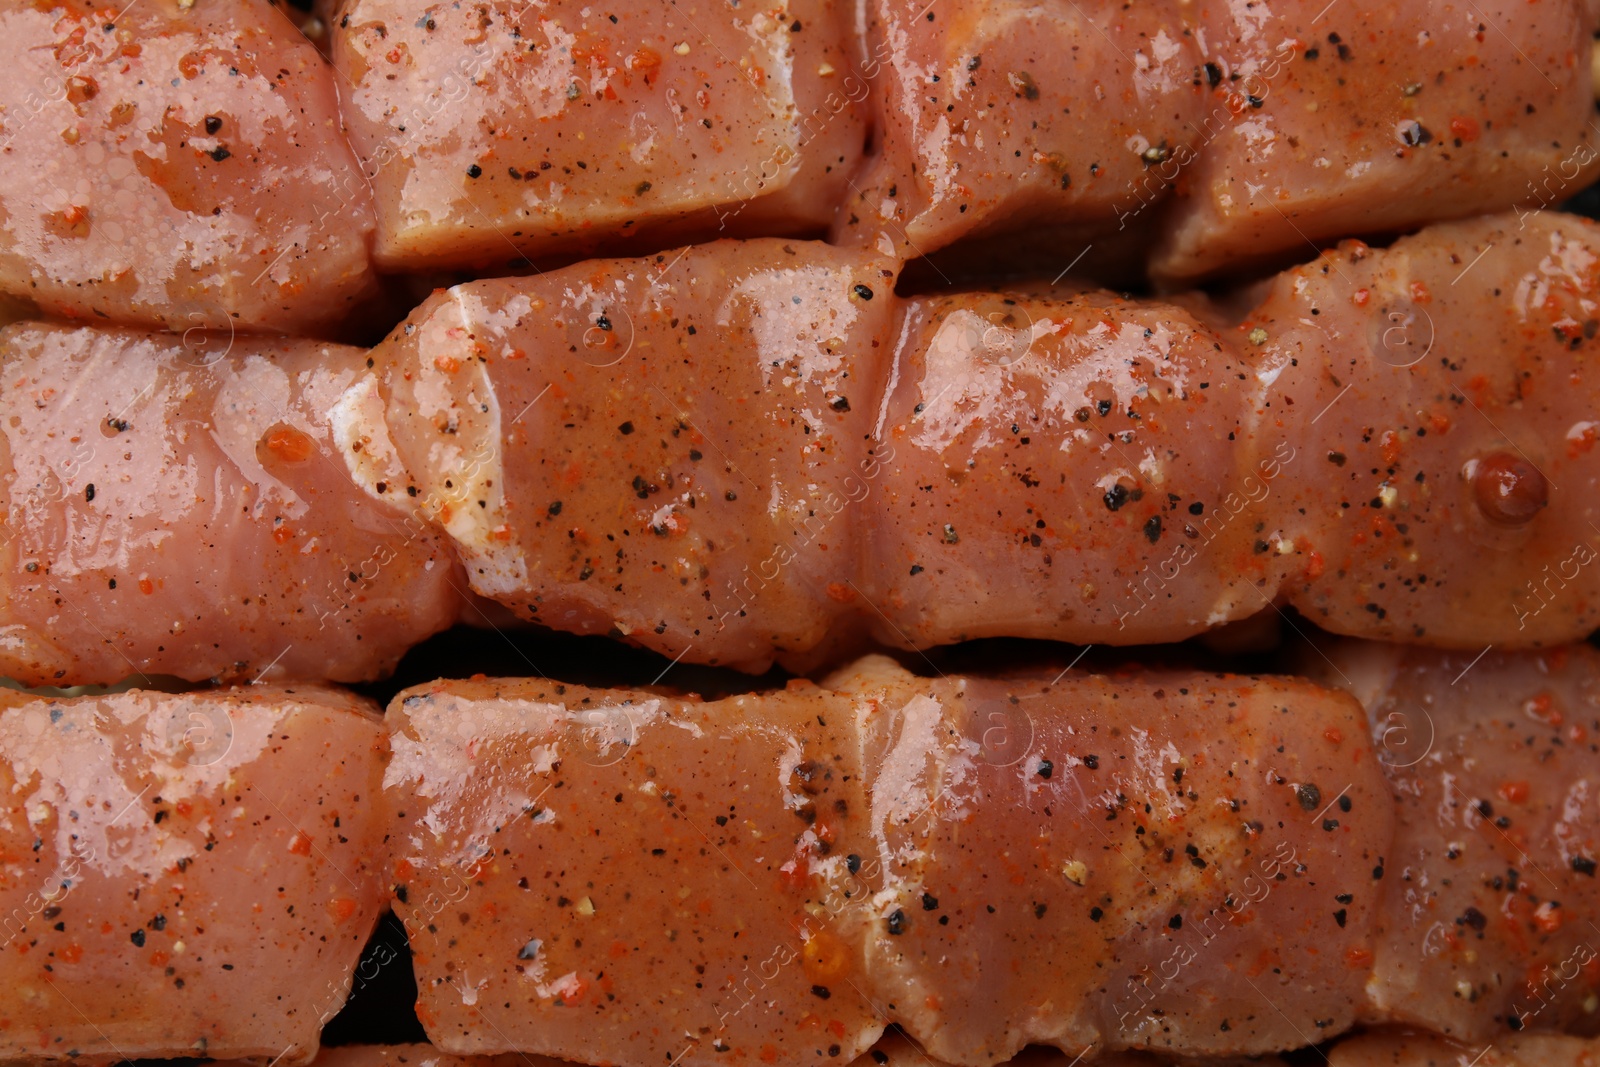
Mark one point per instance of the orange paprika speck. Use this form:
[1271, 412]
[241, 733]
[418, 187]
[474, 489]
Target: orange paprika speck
[342, 908]
[824, 958]
[646, 61]
[1464, 129]
[289, 444]
[1420, 293]
[841, 592]
[1333, 735]
[159, 959]
[72, 953]
[1540, 708]
[1357, 957]
[300, 844]
[1515, 792]
[146, 586]
[448, 364]
[1360, 297]
[283, 534]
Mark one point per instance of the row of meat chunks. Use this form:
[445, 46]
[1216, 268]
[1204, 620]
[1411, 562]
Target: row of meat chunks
[182, 164]
[1183, 862]
[1388, 1048]
[755, 450]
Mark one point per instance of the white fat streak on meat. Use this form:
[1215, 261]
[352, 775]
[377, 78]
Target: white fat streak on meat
[900, 792]
[444, 755]
[356, 421]
[793, 755]
[470, 460]
[901, 354]
[772, 48]
[920, 778]
[84, 790]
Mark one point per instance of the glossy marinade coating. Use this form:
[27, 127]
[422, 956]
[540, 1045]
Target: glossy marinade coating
[1437, 394]
[177, 165]
[1488, 923]
[1408, 1048]
[1052, 464]
[624, 877]
[634, 877]
[748, 451]
[1077, 466]
[184, 875]
[1166, 860]
[1369, 118]
[669, 449]
[505, 131]
[1227, 136]
[1004, 119]
[173, 507]
[1184, 862]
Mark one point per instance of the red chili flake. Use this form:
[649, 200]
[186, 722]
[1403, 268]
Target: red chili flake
[1515, 792]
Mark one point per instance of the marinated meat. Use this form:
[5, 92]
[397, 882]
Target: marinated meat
[184, 875]
[177, 165]
[181, 505]
[501, 133]
[1488, 919]
[630, 877]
